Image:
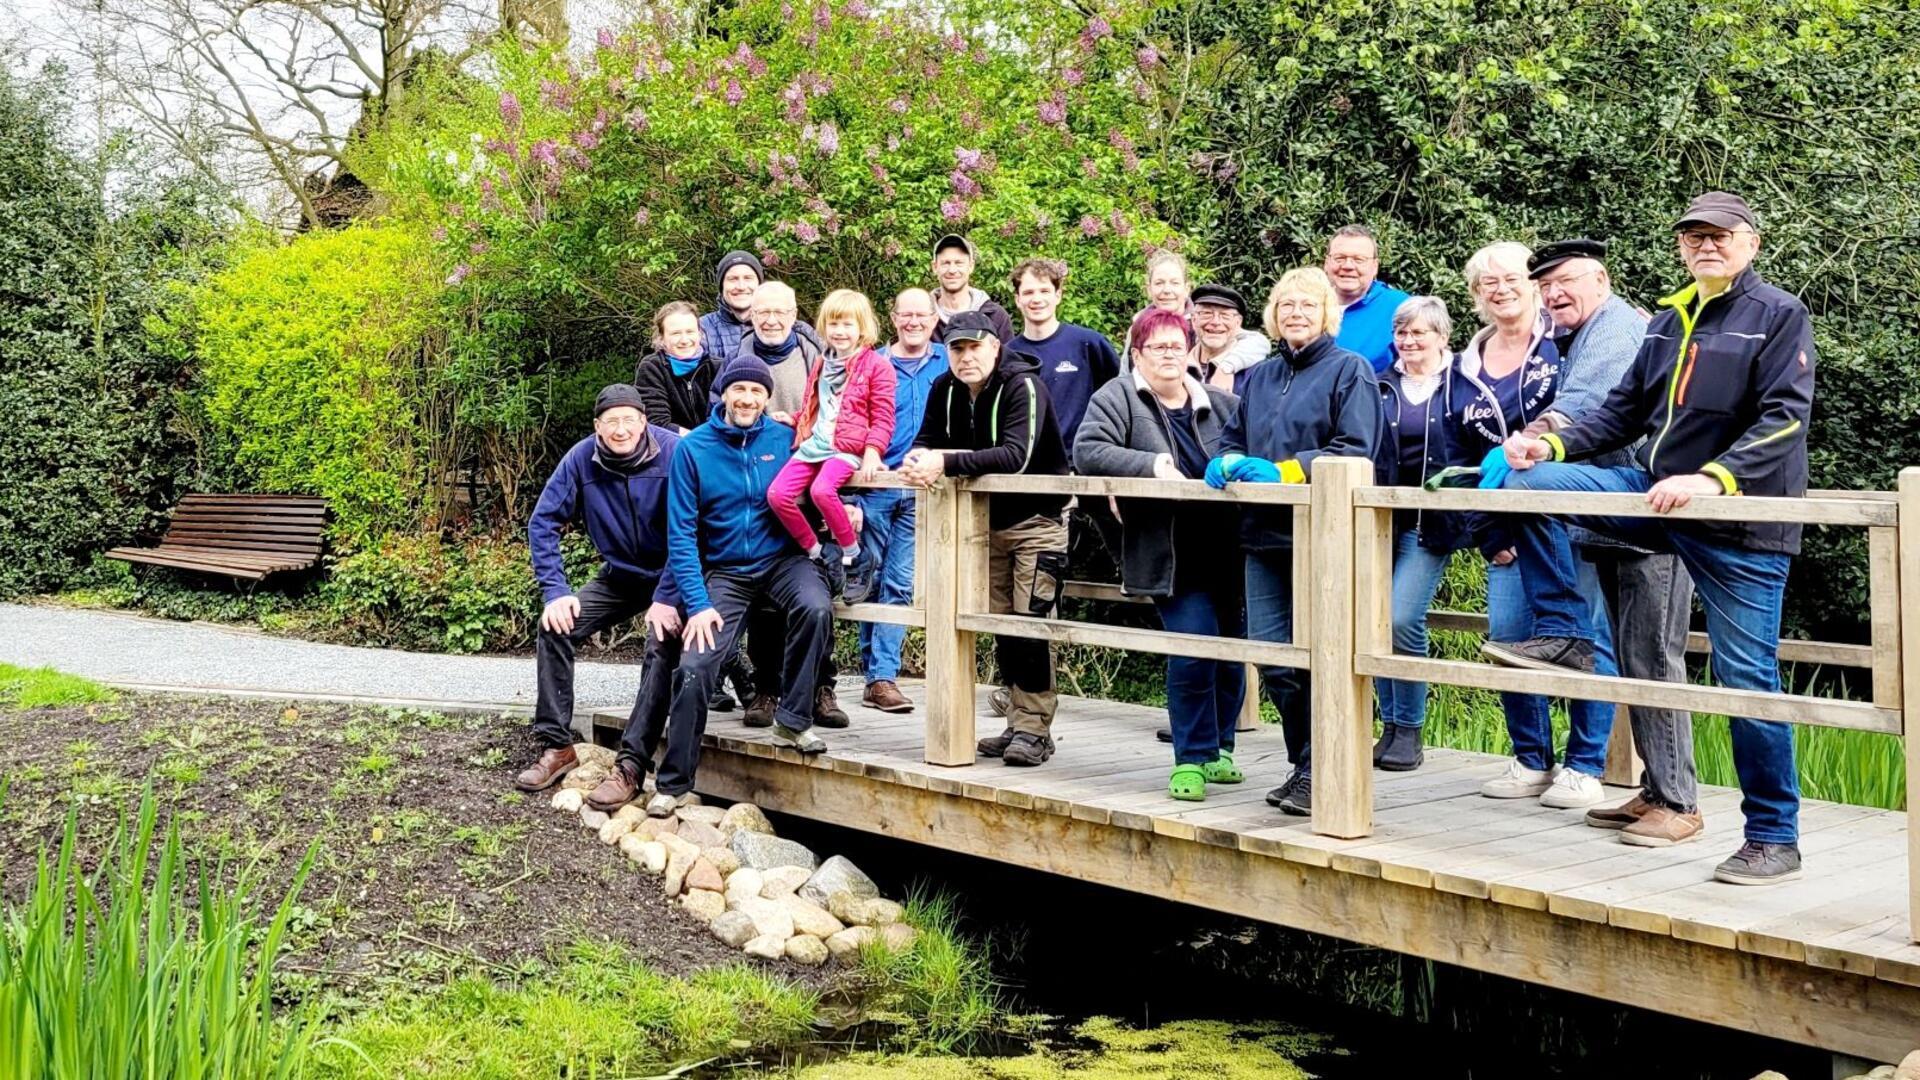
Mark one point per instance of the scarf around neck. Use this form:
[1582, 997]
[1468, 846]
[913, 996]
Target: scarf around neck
[630, 462]
[683, 368]
[774, 354]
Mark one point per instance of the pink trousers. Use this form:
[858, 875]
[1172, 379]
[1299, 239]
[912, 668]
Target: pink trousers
[821, 481]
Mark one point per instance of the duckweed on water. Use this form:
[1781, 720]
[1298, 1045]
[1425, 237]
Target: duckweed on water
[1104, 1049]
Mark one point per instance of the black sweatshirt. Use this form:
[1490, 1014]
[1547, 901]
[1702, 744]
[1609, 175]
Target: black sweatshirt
[672, 400]
[1008, 428]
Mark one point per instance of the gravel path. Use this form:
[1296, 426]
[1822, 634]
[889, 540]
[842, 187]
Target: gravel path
[134, 650]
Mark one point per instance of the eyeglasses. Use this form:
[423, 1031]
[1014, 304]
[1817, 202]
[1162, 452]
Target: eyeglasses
[765, 313]
[1695, 239]
[621, 424]
[1492, 284]
[1206, 313]
[913, 316]
[1563, 282]
[1163, 348]
[1352, 260]
[1287, 307]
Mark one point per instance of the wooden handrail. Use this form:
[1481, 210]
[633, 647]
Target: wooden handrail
[1753, 508]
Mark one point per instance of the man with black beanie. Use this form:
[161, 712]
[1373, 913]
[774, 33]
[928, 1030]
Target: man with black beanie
[615, 482]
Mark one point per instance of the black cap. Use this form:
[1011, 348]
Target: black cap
[617, 395]
[970, 326]
[1552, 255]
[955, 240]
[1220, 296]
[737, 258]
[1720, 209]
[745, 368]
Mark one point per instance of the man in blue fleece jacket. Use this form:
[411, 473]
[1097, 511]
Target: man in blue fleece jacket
[729, 555]
[614, 480]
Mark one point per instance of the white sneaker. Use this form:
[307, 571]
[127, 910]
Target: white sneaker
[661, 806]
[1573, 790]
[1518, 782]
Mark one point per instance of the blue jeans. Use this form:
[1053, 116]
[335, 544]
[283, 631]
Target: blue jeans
[1416, 574]
[1741, 591]
[1529, 722]
[1203, 696]
[887, 539]
[1270, 618]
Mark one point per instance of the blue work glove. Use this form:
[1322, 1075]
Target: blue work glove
[1217, 469]
[1255, 470]
[1494, 468]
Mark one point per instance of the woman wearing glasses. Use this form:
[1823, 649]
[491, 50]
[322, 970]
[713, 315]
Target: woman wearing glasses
[1506, 378]
[1160, 421]
[1311, 398]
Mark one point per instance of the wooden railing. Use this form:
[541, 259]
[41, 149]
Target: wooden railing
[1343, 572]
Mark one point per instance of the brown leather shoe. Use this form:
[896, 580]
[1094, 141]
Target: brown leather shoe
[1661, 827]
[885, 695]
[1619, 817]
[555, 763]
[827, 712]
[620, 787]
[760, 713]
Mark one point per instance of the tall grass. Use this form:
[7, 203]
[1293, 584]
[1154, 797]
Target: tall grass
[34, 688]
[940, 990]
[141, 969]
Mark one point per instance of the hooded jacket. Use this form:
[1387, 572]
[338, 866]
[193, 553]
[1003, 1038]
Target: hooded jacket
[1479, 423]
[676, 401]
[718, 519]
[1123, 434]
[1300, 405]
[977, 300]
[625, 517]
[1722, 387]
[866, 405]
[1007, 428]
[1438, 530]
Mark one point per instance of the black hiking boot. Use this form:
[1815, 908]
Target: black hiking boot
[1542, 653]
[1398, 749]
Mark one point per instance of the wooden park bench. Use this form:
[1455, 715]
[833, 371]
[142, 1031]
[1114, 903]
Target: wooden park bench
[242, 536]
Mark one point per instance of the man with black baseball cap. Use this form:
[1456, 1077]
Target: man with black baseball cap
[1718, 396]
[1227, 347]
[1639, 601]
[615, 482]
[954, 258]
[990, 413]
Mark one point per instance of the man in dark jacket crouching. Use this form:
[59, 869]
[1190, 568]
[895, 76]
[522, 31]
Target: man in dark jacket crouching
[615, 480]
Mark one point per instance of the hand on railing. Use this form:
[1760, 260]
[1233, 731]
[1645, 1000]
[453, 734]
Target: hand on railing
[1494, 467]
[923, 467]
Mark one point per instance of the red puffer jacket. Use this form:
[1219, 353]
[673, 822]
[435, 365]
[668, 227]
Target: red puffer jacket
[866, 405]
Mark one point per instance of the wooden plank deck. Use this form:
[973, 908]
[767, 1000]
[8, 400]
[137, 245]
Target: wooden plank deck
[1508, 887]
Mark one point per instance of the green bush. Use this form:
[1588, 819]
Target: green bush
[420, 592]
[87, 445]
[318, 375]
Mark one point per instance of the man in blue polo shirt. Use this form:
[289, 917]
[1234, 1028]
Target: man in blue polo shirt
[886, 542]
[1353, 264]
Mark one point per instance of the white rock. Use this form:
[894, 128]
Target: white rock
[782, 880]
[653, 856]
[734, 928]
[806, 949]
[898, 936]
[810, 918]
[704, 904]
[745, 817]
[764, 852]
[568, 801]
[723, 860]
[615, 829]
[851, 940]
[742, 884]
[678, 863]
[705, 815]
[593, 754]
[632, 814]
[678, 846]
[700, 834]
[767, 947]
[630, 846]
[838, 874]
[593, 819]
[769, 918]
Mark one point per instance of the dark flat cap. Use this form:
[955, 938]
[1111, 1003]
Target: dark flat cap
[970, 326]
[1220, 296]
[617, 395]
[1552, 255]
[1719, 209]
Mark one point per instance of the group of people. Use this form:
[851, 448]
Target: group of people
[714, 488]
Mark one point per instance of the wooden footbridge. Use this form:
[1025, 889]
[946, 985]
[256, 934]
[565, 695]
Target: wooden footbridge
[1415, 862]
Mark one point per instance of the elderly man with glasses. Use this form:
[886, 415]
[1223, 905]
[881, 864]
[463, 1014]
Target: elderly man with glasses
[886, 544]
[785, 344]
[1718, 397]
[1366, 305]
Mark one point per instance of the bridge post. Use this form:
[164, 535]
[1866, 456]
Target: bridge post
[1907, 588]
[1350, 583]
[954, 523]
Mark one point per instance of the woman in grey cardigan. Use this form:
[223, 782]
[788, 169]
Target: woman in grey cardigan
[1159, 421]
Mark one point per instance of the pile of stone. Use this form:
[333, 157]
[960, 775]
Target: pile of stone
[764, 895]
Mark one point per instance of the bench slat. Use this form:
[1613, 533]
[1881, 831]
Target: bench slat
[243, 555]
[149, 555]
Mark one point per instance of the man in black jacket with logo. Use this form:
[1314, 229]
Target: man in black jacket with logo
[1721, 390]
[990, 414]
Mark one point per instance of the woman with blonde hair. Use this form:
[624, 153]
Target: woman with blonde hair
[1310, 399]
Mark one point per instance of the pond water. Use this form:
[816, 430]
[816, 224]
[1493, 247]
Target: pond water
[1202, 990]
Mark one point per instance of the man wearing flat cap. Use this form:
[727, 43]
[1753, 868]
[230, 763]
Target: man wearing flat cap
[1718, 399]
[1640, 601]
[614, 481]
[1227, 348]
[954, 260]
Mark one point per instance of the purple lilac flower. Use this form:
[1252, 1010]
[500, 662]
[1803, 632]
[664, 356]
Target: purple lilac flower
[962, 184]
[1148, 58]
[459, 274]
[489, 197]
[478, 247]
[856, 10]
[735, 93]
[952, 209]
[931, 70]
[1053, 111]
[898, 106]
[642, 216]
[1073, 77]
[544, 152]
[604, 38]
[556, 95]
[971, 121]
[1119, 223]
[828, 139]
[968, 160]
[810, 40]
[586, 140]
[893, 143]
[440, 234]
[822, 16]
[637, 121]
[510, 111]
[1089, 226]
[879, 173]
[891, 248]
[1090, 167]
[1009, 227]
[818, 205]
[956, 43]
[769, 258]
[573, 156]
